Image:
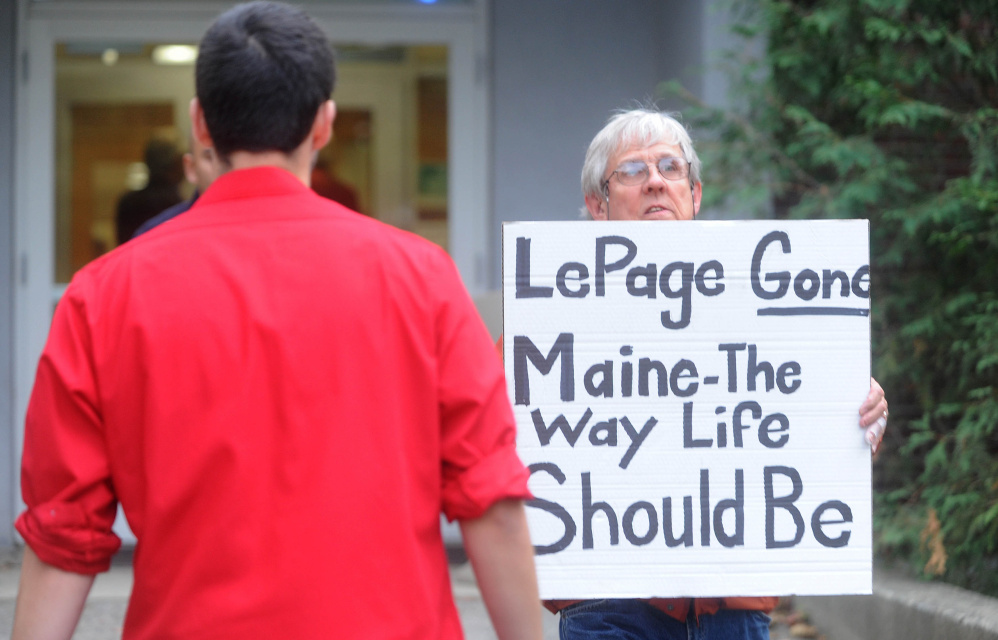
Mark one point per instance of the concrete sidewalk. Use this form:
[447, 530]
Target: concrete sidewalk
[899, 609]
[105, 608]
[902, 608]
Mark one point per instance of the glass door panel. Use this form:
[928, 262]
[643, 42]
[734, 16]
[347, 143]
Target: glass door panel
[115, 106]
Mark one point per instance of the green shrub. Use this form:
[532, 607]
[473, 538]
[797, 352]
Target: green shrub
[888, 110]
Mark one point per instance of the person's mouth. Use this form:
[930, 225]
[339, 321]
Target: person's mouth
[656, 209]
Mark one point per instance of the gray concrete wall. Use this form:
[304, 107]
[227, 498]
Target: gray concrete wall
[560, 67]
[904, 609]
[8, 29]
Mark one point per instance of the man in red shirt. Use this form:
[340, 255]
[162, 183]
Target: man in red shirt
[282, 394]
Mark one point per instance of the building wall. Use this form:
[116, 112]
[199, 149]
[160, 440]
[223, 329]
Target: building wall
[8, 468]
[560, 67]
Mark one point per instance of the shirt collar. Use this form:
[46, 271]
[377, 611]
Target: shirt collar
[255, 182]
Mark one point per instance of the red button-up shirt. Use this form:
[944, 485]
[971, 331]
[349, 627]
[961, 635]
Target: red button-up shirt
[283, 395]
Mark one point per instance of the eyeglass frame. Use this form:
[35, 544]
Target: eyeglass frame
[686, 172]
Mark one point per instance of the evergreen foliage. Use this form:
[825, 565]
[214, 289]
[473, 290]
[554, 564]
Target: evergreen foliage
[888, 110]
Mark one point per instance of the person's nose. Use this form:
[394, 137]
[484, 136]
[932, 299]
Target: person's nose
[655, 181]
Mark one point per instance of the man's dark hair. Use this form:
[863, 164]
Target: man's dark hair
[263, 70]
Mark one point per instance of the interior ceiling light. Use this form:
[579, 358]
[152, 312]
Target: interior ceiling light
[109, 56]
[174, 54]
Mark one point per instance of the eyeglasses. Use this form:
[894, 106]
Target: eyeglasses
[636, 172]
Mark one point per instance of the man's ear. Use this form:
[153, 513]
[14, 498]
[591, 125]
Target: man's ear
[597, 207]
[322, 127]
[199, 127]
[190, 172]
[697, 195]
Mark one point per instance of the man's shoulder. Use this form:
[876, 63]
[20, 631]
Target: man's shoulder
[394, 239]
[425, 254]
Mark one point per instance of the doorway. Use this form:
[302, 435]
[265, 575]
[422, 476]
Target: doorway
[387, 159]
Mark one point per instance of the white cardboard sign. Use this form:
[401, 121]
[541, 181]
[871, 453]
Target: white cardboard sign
[686, 397]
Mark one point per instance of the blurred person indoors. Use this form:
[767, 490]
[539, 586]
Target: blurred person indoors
[165, 166]
[200, 168]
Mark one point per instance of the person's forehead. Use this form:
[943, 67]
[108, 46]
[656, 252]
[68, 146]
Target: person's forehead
[640, 151]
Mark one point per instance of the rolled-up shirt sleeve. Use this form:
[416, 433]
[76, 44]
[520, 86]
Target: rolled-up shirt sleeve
[480, 462]
[65, 473]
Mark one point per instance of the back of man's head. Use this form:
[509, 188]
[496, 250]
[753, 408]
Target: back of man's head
[263, 70]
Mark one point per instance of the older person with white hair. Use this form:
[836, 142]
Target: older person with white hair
[642, 166]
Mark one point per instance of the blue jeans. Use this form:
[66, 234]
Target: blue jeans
[637, 620]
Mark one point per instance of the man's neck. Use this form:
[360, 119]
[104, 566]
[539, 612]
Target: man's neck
[298, 162]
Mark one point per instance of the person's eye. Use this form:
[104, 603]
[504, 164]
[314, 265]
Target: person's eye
[632, 169]
[671, 166]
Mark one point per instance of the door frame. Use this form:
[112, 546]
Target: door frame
[462, 28]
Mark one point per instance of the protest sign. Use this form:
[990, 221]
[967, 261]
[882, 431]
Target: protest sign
[686, 398]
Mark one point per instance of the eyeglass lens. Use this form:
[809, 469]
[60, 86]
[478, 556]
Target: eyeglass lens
[671, 168]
